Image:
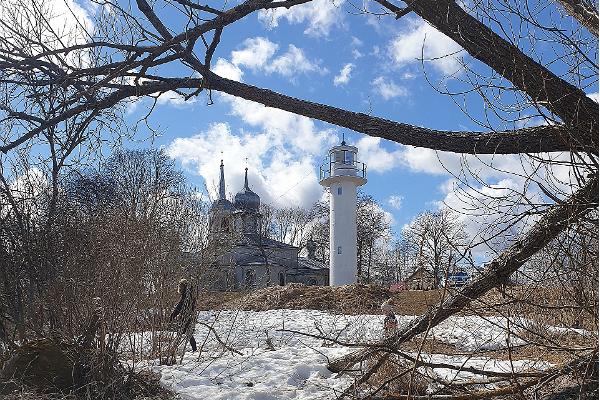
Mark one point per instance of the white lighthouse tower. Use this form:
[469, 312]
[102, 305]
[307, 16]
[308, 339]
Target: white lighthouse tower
[342, 174]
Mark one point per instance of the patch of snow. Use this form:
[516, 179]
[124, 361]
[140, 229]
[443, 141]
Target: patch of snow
[272, 355]
[474, 333]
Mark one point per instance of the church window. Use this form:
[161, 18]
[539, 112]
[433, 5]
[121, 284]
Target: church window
[339, 190]
[339, 249]
[281, 279]
[249, 278]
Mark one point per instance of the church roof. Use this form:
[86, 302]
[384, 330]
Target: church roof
[312, 264]
[256, 240]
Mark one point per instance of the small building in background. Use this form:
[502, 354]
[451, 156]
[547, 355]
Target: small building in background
[421, 279]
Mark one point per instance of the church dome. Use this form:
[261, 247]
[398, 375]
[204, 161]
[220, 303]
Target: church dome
[246, 199]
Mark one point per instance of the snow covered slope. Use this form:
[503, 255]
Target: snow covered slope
[270, 355]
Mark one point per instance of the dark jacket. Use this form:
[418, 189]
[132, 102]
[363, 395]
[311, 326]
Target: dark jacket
[184, 310]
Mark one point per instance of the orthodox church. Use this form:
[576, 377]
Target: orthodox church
[242, 258]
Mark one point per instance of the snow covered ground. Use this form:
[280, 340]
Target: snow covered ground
[270, 356]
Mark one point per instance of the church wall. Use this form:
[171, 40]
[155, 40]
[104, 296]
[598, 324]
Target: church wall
[257, 276]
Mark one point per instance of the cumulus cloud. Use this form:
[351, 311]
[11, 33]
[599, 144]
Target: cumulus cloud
[282, 148]
[301, 132]
[489, 213]
[319, 15]
[255, 54]
[175, 99]
[291, 62]
[395, 201]
[377, 158]
[258, 54]
[491, 192]
[422, 41]
[344, 76]
[276, 172]
[388, 89]
[228, 70]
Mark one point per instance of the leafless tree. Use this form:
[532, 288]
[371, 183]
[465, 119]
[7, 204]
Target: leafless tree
[81, 82]
[440, 242]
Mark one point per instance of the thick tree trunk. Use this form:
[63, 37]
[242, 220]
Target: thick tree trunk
[498, 271]
[527, 140]
[577, 111]
[584, 12]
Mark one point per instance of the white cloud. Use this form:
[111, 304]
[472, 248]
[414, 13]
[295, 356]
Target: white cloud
[356, 42]
[531, 120]
[291, 62]
[489, 213]
[490, 191]
[320, 15]
[419, 159]
[284, 127]
[388, 89]
[344, 76]
[58, 23]
[282, 149]
[422, 41]
[593, 96]
[395, 201]
[276, 171]
[175, 99]
[377, 158]
[255, 54]
[228, 70]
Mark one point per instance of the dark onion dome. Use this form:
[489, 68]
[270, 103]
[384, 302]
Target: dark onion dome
[246, 199]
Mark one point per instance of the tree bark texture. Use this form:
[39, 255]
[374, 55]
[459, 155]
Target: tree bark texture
[571, 104]
[527, 140]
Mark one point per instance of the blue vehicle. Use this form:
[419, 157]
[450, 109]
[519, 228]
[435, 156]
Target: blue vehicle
[459, 278]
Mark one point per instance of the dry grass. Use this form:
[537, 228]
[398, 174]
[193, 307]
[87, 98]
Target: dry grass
[349, 299]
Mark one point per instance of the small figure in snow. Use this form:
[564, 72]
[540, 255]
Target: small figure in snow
[390, 323]
[185, 310]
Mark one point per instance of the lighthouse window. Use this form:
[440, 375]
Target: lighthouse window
[340, 191]
[339, 249]
[348, 157]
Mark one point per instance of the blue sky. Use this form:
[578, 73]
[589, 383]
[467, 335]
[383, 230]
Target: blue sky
[303, 59]
[324, 53]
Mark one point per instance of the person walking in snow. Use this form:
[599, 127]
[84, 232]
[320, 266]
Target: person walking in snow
[184, 312]
[390, 323]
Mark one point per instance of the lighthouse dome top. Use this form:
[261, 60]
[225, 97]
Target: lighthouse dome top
[343, 163]
[246, 199]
